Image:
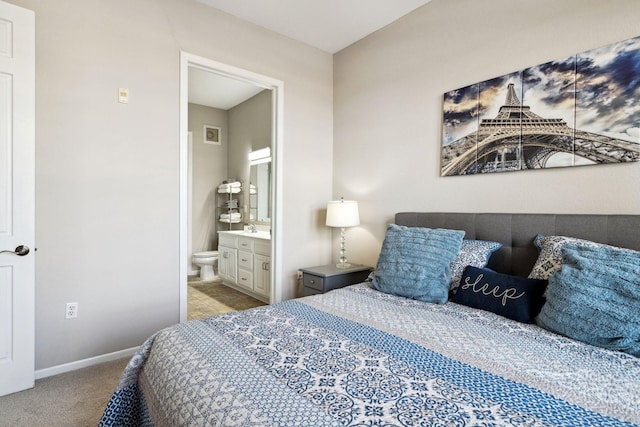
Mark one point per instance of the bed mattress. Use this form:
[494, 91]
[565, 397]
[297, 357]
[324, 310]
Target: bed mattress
[359, 357]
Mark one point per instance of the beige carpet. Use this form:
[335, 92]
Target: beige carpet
[72, 399]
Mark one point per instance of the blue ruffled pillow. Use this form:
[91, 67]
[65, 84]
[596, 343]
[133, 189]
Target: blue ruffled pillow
[414, 262]
[475, 253]
[595, 297]
[518, 298]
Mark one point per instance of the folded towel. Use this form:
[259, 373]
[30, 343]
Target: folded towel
[232, 190]
[233, 215]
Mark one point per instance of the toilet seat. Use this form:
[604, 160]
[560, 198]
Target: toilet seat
[206, 254]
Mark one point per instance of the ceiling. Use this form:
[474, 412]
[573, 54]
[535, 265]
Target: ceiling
[329, 25]
[213, 90]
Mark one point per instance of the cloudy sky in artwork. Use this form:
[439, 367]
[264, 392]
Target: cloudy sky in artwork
[595, 91]
[608, 90]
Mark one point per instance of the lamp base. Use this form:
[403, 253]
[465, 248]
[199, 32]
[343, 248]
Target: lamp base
[343, 265]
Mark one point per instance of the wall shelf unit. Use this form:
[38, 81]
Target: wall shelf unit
[228, 203]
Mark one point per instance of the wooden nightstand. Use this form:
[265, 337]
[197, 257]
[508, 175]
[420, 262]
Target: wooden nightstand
[321, 279]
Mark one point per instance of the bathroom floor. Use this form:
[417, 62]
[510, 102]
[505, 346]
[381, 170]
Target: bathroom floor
[206, 298]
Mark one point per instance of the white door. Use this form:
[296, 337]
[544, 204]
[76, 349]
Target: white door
[17, 135]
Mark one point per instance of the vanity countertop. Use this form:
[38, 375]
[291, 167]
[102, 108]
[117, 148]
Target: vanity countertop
[265, 235]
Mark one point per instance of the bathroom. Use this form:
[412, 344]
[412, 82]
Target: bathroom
[227, 120]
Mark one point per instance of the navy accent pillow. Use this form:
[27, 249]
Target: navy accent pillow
[414, 262]
[595, 297]
[518, 298]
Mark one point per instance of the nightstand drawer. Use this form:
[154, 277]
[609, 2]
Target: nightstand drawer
[313, 282]
[318, 280]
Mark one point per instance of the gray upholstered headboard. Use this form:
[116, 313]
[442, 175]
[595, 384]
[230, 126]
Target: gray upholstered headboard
[516, 232]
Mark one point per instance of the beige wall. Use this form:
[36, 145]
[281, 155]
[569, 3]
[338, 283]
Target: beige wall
[388, 111]
[208, 170]
[107, 174]
[249, 129]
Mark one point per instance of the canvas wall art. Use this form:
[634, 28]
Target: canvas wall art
[579, 110]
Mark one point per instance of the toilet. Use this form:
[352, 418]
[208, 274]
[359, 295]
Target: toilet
[206, 261]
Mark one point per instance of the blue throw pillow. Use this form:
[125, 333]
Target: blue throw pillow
[595, 297]
[414, 262]
[475, 253]
[518, 298]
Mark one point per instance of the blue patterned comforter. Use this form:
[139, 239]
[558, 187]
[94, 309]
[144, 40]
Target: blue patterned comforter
[358, 357]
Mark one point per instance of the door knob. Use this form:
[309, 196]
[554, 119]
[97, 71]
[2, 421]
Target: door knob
[20, 251]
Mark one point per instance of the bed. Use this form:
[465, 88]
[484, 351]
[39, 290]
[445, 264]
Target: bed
[361, 357]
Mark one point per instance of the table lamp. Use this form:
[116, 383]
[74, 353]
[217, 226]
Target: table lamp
[342, 213]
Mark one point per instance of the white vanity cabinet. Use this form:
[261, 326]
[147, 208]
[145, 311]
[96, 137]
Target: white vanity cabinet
[262, 267]
[245, 262]
[228, 258]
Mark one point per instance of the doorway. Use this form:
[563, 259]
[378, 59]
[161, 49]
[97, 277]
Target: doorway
[188, 64]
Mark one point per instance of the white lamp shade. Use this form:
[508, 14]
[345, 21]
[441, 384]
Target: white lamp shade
[342, 213]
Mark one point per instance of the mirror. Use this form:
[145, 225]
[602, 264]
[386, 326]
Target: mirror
[260, 187]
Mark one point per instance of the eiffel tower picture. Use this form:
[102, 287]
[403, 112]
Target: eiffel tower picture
[517, 138]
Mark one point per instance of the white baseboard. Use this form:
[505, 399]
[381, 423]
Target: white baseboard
[79, 364]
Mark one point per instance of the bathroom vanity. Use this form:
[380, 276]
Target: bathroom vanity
[244, 262]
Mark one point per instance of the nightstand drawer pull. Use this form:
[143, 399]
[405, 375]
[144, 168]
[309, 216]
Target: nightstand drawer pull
[313, 282]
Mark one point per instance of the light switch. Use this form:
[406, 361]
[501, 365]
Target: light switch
[123, 95]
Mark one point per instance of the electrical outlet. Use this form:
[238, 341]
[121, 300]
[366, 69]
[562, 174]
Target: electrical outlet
[71, 311]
